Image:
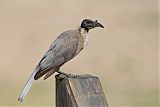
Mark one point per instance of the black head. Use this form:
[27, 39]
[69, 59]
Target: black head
[89, 24]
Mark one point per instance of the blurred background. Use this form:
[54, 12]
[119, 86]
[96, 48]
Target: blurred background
[124, 55]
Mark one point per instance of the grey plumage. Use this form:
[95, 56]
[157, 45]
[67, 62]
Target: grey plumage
[64, 48]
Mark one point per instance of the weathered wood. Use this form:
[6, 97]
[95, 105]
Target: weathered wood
[82, 91]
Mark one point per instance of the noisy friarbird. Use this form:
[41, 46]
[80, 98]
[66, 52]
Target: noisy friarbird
[66, 46]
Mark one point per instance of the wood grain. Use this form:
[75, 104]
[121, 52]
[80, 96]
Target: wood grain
[82, 91]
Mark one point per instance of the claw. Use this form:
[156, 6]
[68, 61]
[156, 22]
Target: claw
[68, 75]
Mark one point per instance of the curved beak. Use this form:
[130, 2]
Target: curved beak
[97, 24]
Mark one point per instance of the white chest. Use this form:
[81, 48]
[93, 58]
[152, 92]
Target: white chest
[84, 34]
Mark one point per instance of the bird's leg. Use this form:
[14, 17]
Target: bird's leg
[67, 75]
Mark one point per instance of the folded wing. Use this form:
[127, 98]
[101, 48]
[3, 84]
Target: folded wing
[62, 50]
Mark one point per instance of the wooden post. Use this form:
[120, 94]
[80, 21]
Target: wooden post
[82, 91]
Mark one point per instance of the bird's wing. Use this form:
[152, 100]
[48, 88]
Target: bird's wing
[62, 50]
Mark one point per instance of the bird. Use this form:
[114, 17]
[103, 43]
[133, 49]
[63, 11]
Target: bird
[65, 47]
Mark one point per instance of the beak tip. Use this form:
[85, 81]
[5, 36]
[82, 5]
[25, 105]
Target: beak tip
[99, 24]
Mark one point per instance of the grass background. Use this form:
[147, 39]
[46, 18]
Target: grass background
[124, 55]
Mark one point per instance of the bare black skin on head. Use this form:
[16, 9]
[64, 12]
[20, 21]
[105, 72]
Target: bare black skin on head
[88, 24]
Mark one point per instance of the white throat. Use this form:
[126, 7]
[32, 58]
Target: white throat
[84, 33]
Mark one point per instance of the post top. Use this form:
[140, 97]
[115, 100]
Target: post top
[71, 76]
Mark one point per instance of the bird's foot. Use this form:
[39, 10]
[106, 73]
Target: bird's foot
[67, 75]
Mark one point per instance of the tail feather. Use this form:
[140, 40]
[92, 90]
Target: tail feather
[26, 87]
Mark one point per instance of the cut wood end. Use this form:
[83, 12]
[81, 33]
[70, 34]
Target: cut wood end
[62, 76]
